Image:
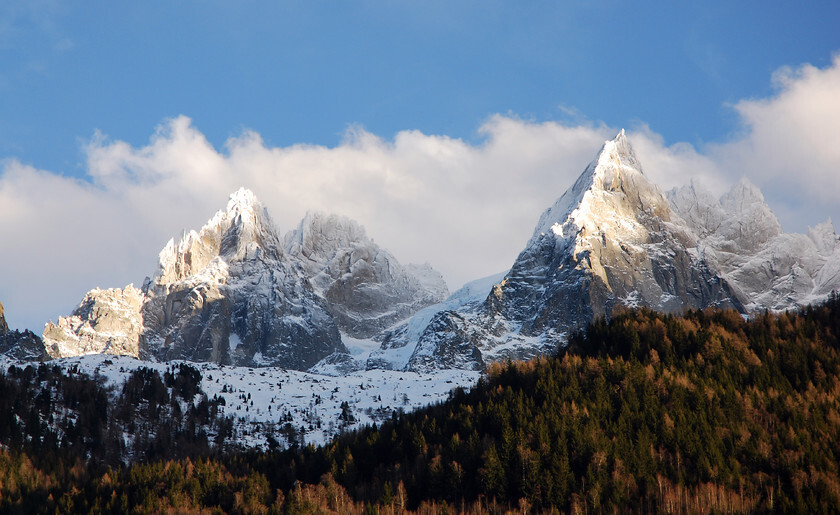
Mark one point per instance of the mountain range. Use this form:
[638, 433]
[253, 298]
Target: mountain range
[325, 298]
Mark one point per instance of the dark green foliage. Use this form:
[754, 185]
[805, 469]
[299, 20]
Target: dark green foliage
[45, 411]
[648, 412]
[186, 382]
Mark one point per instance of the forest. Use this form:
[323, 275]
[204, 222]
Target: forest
[647, 412]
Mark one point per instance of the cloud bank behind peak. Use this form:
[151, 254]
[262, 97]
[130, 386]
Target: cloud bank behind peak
[466, 208]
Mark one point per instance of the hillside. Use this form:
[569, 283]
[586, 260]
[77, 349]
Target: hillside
[702, 412]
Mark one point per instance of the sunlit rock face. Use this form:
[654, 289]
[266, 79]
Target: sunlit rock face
[235, 292]
[106, 322]
[614, 240]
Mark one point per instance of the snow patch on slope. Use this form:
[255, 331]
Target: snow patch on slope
[273, 397]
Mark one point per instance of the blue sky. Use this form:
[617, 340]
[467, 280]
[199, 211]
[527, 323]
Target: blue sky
[301, 72]
[443, 127]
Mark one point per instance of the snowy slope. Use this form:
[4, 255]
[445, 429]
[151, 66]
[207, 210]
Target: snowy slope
[769, 269]
[401, 342]
[263, 400]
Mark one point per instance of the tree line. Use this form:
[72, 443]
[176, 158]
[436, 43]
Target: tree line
[702, 412]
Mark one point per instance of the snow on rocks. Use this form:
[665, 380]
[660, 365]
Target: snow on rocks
[235, 292]
[262, 401]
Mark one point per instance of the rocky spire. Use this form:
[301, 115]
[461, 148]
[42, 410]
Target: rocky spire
[243, 229]
[610, 239]
[612, 188]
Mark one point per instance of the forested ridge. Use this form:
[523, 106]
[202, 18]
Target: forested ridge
[647, 412]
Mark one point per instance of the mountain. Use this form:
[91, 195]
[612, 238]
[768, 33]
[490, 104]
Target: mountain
[326, 298]
[705, 412]
[770, 269]
[366, 288]
[614, 240]
[23, 346]
[236, 292]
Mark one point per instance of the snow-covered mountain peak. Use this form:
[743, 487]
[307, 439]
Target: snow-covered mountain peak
[611, 240]
[320, 235]
[697, 206]
[743, 195]
[748, 222]
[366, 288]
[615, 156]
[242, 199]
[824, 237]
[611, 198]
[243, 230]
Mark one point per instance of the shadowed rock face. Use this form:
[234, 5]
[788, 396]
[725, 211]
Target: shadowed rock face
[21, 345]
[366, 289]
[236, 293]
[611, 240]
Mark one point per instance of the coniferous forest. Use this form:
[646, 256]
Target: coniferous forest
[703, 412]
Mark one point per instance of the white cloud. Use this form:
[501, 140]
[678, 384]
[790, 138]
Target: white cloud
[467, 209]
[678, 164]
[791, 144]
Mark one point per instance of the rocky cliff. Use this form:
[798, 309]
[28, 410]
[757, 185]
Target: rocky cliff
[615, 240]
[20, 345]
[235, 292]
[366, 289]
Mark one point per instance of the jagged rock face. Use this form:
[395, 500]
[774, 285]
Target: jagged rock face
[227, 294]
[765, 266]
[236, 293]
[19, 345]
[366, 289]
[447, 342]
[106, 322]
[610, 241]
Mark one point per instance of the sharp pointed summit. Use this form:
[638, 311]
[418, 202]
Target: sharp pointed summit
[609, 241]
[613, 237]
[326, 298]
[618, 152]
[244, 228]
[235, 292]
